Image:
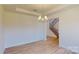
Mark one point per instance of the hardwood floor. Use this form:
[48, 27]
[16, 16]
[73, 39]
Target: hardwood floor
[49, 46]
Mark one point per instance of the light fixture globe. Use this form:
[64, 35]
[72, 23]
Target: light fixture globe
[39, 18]
[45, 17]
[42, 18]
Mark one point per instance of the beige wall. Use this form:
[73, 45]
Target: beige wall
[22, 29]
[69, 27]
[1, 30]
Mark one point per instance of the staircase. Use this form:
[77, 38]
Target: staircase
[52, 28]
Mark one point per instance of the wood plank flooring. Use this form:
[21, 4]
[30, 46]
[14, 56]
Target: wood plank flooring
[49, 46]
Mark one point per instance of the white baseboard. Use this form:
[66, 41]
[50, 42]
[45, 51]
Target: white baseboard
[22, 43]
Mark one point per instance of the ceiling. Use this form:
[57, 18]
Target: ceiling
[33, 8]
[39, 8]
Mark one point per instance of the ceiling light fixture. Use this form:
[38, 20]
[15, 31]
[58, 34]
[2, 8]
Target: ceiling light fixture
[42, 18]
[46, 18]
[39, 18]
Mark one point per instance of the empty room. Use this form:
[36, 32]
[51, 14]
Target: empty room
[39, 29]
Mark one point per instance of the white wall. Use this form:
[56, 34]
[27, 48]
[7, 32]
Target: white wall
[1, 31]
[22, 29]
[69, 27]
